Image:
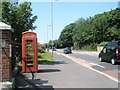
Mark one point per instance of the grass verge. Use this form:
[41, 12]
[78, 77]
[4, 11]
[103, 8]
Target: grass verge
[45, 58]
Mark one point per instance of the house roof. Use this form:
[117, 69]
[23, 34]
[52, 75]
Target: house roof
[4, 26]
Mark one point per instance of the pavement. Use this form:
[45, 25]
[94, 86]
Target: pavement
[64, 73]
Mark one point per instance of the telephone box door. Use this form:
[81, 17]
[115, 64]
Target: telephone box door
[29, 52]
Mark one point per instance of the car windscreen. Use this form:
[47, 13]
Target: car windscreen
[68, 48]
[112, 44]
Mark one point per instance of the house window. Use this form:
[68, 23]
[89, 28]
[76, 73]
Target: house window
[2, 43]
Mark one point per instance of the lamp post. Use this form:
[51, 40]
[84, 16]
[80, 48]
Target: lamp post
[52, 23]
[119, 4]
[47, 35]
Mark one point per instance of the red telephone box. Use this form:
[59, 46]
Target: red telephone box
[29, 52]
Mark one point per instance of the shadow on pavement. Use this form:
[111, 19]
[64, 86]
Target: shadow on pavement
[22, 82]
[60, 62]
[46, 62]
[48, 70]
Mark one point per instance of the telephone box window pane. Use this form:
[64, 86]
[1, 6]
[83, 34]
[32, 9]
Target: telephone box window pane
[29, 47]
[29, 61]
[2, 43]
[29, 44]
[29, 35]
[30, 65]
[29, 54]
[29, 51]
[29, 41]
[30, 58]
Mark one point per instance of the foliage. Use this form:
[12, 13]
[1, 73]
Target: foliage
[87, 33]
[45, 58]
[91, 47]
[82, 33]
[0, 10]
[65, 38]
[102, 44]
[19, 16]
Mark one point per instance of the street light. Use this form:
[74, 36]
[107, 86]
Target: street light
[47, 35]
[47, 31]
[119, 4]
[52, 23]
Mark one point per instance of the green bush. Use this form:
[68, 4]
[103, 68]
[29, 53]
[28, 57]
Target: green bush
[91, 47]
[45, 58]
[76, 48]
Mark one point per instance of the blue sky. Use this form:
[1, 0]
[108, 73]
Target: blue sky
[64, 13]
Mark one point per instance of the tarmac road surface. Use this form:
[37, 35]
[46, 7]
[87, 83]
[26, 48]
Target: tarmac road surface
[66, 73]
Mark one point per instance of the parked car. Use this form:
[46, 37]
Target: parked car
[110, 52]
[67, 50]
[47, 49]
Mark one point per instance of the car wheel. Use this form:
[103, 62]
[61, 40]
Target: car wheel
[113, 61]
[100, 59]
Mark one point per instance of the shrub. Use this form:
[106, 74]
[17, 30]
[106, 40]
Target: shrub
[91, 47]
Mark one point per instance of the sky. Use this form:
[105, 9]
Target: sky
[63, 14]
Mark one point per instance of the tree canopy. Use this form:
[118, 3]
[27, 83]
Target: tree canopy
[65, 38]
[19, 16]
[102, 27]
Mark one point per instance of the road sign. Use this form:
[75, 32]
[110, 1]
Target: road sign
[52, 44]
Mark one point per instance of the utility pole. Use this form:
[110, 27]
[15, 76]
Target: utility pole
[47, 37]
[52, 23]
[119, 4]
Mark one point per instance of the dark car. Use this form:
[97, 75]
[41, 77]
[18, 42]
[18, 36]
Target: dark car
[67, 50]
[54, 49]
[111, 52]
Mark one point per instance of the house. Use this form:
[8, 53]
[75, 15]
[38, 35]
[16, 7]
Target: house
[5, 55]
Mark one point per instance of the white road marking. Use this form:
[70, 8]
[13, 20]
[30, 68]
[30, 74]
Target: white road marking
[98, 65]
[114, 79]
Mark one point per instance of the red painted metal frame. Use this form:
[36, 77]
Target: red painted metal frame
[29, 59]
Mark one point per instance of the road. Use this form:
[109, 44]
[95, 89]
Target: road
[91, 58]
[70, 71]
[66, 73]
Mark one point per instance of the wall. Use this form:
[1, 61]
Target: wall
[99, 48]
[5, 63]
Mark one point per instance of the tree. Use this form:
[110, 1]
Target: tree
[19, 16]
[97, 29]
[91, 31]
[0, 10]
[66, 35]
[21, 19]
[82, 33]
